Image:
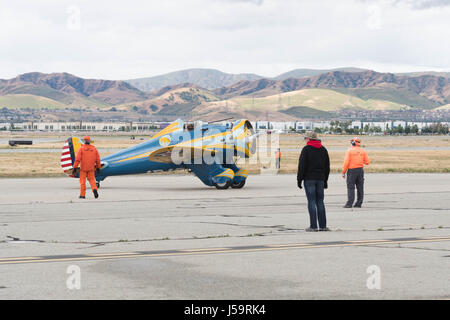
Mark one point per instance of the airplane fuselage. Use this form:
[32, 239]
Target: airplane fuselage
[181, 146]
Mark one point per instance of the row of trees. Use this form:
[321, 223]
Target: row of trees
[340, 127]
[436, 128]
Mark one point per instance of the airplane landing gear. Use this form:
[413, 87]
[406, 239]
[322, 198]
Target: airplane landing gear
[223, 185]
[238, 185]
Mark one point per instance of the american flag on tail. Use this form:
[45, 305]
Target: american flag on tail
[68, 157]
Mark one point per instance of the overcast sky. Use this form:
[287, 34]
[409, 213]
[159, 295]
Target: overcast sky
[131, 39]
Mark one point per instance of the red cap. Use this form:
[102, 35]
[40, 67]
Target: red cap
[86, 138]
[356, 140]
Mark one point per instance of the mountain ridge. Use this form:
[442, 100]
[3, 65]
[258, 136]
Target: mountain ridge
[205, 78]
[215, 79]
[433, 88]
[60, 86]
[325, 92]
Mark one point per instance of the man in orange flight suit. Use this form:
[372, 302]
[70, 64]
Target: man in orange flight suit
[89, 159]
[355, 159]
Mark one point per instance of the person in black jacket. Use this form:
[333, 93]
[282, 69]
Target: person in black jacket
[313, 170]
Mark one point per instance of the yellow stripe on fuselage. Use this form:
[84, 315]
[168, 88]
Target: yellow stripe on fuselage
[169, 129]
[245, 133]
[139, 156]
[183, 144]
[239, 125]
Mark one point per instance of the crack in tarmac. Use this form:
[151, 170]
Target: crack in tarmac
[281, 230]
[274, 204]
[218, 199]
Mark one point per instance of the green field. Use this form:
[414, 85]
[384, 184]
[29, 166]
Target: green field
[321, 99]
[395, 95]
[305, 112]
[16, 101]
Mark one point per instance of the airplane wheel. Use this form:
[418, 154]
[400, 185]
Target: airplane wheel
[224, 185]
[238, 185]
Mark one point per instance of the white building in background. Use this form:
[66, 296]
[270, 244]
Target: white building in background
[322, 125]
[261, 125]
[422, 125]
[383, 125]
[5, 126]
[398, 123]
[304, 125]
[357, 125]
[84, 126]
[419, 125]
[281, 126]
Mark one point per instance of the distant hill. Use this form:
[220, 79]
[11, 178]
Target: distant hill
[176, 101]
[320, 99]
[402, 88]
[302, 73]
[205, 78]
[431, 90]
[309, 103]
[299, 95]
[425, 73]
[213, 79]
[71, 90]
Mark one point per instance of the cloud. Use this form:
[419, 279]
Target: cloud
[414, 4]
[256, 2]
[111, 40]
[426, 4]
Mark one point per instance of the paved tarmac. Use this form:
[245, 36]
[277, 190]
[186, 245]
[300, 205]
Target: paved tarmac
[171, 237]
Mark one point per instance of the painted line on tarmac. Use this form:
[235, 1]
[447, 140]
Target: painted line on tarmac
[23, 258]
[204, 251]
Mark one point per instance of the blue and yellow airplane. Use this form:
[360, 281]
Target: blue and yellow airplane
[207, 150]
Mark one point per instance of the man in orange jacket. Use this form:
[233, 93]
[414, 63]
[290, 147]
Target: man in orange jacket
[89, 159]
[355, 159]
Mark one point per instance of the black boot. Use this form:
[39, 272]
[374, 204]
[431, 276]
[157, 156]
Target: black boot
[95, 193]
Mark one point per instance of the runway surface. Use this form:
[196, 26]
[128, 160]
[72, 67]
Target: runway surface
[170, 237]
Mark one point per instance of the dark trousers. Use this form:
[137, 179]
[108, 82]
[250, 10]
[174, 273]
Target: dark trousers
[316, 207]
[355, 177]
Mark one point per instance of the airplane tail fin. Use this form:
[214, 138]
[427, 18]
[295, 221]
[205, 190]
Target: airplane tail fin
[69, 152]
